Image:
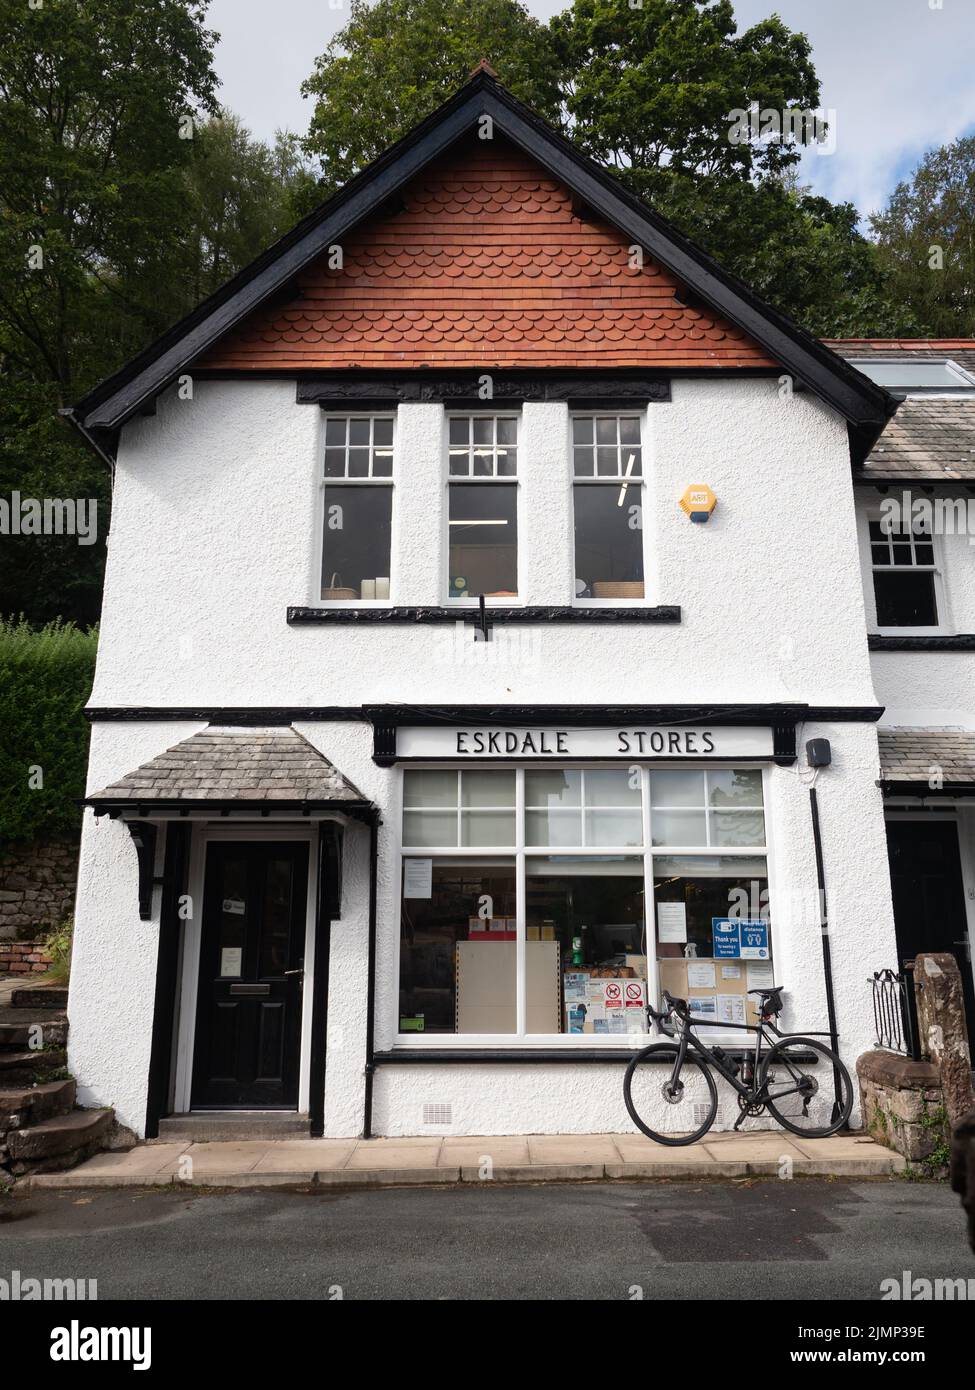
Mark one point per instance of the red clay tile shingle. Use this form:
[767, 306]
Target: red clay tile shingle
[489, 264]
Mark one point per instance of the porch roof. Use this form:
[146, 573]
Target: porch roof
[928, 761]
[242, 767]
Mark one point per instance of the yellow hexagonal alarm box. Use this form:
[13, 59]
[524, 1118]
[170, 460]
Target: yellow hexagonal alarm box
[698, 502]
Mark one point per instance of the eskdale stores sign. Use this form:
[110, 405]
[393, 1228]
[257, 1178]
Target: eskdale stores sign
[656, 741]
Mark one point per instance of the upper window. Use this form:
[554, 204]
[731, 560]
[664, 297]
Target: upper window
[903, 575]
[915, 374]
[483, 506]
[607, 458]
[358, 505]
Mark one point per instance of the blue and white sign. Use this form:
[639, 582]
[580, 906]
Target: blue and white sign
[737, 940]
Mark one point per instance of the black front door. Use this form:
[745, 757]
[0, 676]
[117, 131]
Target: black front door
[929, 896]
[248, 1018]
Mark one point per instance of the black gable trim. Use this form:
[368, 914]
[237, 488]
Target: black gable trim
[865, 405]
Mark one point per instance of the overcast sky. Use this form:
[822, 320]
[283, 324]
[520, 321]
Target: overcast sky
[898, 74]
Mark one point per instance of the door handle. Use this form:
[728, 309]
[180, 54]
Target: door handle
[294, 972]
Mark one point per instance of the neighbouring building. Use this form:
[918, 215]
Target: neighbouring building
[484, 561]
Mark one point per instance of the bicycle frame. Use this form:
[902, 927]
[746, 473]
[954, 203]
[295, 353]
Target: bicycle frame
[688, 1041]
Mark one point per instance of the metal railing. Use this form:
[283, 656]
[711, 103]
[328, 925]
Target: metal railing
[895, 1011]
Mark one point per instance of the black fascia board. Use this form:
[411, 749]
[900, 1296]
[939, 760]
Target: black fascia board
[865, 405]
[610, 715]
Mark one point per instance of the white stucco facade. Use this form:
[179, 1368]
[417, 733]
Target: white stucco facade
[216, 532]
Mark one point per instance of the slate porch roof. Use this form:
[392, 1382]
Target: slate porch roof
[913, 754]
[236, 765]
[931, 438]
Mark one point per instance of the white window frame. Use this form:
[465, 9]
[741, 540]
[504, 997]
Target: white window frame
[323, 482]
[873, 517]
[490, 480]
[519, 853]
[641, 415]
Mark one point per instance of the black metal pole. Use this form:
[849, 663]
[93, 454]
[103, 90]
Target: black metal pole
[827, 950]
[371, 981]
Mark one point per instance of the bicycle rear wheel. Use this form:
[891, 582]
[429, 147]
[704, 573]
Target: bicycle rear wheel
[647, 1090]
[804, 1098]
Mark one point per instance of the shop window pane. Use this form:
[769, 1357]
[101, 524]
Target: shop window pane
[737, 828]
[677, 788]
[487, 828]
[679, 827]
[584, 922]
[553, 788]
[430, 828]
[612, 788]
[554, 827]
[712, 933]
[487, 788]
[355, 552]
[608, 540]
[736, 787]
[429, 788]
[458, 952]
[483, 540]
[605, 827]
[906, 599]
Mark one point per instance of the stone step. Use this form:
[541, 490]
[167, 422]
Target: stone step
[60, 1142]
[216, 1125]
[15, 1037]
[40, 997]
[27, 1105]
[24, 1068]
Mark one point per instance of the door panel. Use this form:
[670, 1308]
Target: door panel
[248, 1021]
[929, 896]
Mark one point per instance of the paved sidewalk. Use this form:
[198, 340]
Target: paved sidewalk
[507, 1158]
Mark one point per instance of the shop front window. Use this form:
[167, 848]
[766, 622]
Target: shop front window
[551, 901]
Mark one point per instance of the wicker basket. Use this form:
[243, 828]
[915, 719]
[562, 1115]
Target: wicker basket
[617, 588]
[336, 589]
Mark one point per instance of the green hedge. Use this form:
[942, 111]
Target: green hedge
[45, 680]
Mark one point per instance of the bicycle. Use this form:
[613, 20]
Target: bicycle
[776, 1080]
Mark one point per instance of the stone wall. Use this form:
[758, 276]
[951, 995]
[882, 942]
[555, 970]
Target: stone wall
[902, 1103]
[37, 887]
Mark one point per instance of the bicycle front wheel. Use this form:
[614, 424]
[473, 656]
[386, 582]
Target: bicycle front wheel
[687, 1105]
[805, 1097]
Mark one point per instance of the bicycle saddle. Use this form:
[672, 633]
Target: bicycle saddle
[772, 989]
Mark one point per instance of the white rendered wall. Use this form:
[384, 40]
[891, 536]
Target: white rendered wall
[214, 534]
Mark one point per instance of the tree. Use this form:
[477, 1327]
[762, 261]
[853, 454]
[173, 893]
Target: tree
[241, 195]
[397, 60]
[651, 89]
[94, 101]
[926, 241]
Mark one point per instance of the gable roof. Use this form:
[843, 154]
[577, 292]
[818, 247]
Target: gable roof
[863, 404]
[489, 262]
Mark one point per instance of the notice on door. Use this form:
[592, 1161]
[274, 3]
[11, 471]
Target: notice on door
[230, 961]
[418, 878]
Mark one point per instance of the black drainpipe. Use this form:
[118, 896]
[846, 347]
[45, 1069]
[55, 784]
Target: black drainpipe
[827, 949]
[371, 979]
